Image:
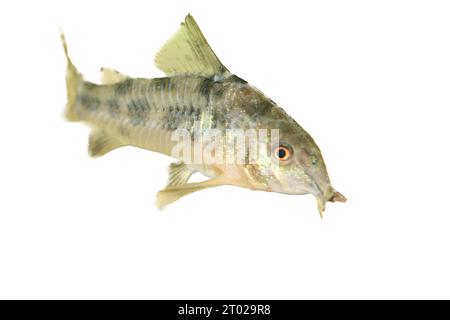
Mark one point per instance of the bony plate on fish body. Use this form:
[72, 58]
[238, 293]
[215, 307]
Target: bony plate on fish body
[209, 119]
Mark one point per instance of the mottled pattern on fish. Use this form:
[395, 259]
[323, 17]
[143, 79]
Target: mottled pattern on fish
[144, 112]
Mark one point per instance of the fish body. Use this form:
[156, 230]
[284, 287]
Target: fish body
[145, 112]
[198, 95]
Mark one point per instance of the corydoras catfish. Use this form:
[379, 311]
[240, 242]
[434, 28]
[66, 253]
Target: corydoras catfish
[199, 94]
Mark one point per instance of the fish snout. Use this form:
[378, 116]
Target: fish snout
[336, 196]
[331, 195]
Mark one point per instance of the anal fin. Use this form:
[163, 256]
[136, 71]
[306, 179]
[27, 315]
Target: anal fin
[101, 143]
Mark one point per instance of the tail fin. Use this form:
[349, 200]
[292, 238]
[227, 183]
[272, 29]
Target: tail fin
[73, 79]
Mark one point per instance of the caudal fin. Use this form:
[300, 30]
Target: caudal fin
[73, 80]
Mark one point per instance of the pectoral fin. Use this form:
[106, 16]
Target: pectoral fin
[101, 143]
[171, 194]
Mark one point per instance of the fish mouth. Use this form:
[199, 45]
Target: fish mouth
[331, 195]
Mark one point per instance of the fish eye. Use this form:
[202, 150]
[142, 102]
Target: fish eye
[314, 161]
[282, 153]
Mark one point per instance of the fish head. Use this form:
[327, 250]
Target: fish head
[293, 164]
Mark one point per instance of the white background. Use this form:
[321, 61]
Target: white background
[370, 80]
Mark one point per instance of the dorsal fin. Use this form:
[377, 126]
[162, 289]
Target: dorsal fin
[188, 52]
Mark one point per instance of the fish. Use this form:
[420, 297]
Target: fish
[175, 115]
